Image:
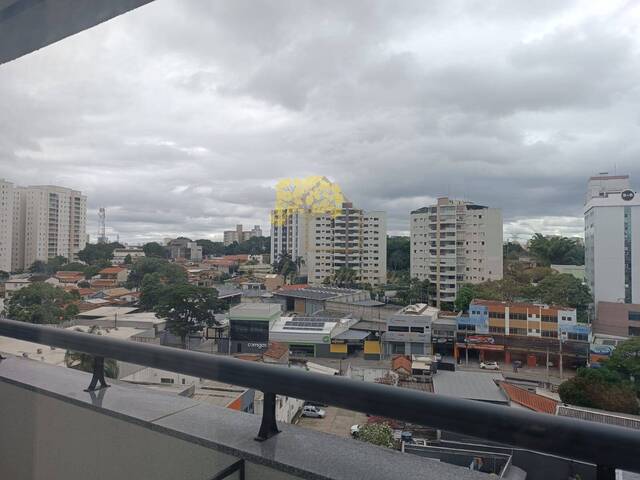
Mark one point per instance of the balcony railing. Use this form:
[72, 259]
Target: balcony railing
[608, 447]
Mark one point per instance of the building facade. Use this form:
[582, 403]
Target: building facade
[527, 319]
[612, 240]
[239, 235]
[40, 222]
[323, 244]
[617, 319]
[6, 224]
[409, 331]
[455, 242]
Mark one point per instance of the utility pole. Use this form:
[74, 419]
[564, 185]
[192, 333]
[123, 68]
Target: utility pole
[548, 365]
[560, 356]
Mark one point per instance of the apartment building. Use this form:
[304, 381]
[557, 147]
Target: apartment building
[239, 235]
[612, 239]
[455, 242]
[324, 243]
[6, 224]
[40, 222]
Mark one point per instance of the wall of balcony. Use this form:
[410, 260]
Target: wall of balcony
[50, 428]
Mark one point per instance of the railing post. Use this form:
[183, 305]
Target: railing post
[98, 375]
[605, 472]
[268, 427]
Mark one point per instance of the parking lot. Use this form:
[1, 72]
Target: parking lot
[337, 421]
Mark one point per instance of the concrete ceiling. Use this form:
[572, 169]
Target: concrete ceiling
[29, 25]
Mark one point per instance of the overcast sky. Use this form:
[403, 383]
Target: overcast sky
[180, 117]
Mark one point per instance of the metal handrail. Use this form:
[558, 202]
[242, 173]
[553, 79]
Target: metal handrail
[606, 446]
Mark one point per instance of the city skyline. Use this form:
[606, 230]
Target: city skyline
[188, 132]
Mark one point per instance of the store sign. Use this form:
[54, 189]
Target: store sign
[627, 195]
[480, 339]
[257, 345]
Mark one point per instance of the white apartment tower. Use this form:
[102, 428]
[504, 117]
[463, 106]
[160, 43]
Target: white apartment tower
[324, 243]
[38, 223]
[612, 239]
[6, 224]
[455, 242]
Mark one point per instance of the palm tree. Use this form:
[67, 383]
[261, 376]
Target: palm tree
[84, 361]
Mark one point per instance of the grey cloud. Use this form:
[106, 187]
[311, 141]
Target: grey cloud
[180, 116]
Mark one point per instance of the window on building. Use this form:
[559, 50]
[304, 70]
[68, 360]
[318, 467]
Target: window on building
[397, 328]
[416, 329]
[635, 316]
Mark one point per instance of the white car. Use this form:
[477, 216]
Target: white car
[313, 412]
[489, 365]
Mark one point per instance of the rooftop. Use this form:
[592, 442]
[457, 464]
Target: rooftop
[470, 385]
[259, 311]
[106, 312]
[499, 303]
[530, 400]
[316, 293]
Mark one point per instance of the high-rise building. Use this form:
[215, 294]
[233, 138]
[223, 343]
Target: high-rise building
[6, 224]
[238, 235]
[321, 244]
[40, 222]
[455, 242]
[612, 239]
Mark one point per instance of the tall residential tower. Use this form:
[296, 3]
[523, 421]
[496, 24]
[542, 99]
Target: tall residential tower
[38, 223]
[323, 243]
[612, 239]
[455, 242]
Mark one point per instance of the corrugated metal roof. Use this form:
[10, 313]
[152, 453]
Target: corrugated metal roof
[600, 416]
[352, 335]
[471, 385]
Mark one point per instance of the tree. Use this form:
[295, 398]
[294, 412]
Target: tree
[418, 291]
[154, 249]
[556, 250]
[286, 267]
[377, 434]
[38, 267]
[398, 253]
[512, 250]
[170, 272]
[152, 290]
[73, 267]
[215, 249]
[466, 293]
[84, 361]
[4, 275]
[128, 260]
[41, 303]
[565, 289]
[344, 277]
[625, 361]
[98, 253]
[91, 271]
[599, 388]
[188, 309]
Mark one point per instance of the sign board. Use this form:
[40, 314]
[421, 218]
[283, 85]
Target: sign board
[627, 195]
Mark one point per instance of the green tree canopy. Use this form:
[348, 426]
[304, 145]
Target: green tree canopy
[188, 309]
[171, 273]
[286, 267]
[398, 253]
[599, 388]
[344, 277]
[625, 360]
[41, 303]
[211, 248]
[418, 291]
[556, 250]
[152, 290]
[377, 434]
[154, 249]
[98, 253]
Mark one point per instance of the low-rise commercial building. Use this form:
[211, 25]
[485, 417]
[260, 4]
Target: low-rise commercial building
[120, 255]
[249, 325]
[307, 300]
[519, 331]
[315, 336]
[409, 331]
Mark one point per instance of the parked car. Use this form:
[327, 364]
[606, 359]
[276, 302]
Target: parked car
[313, 412]
[355, 430]
[490, 365]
